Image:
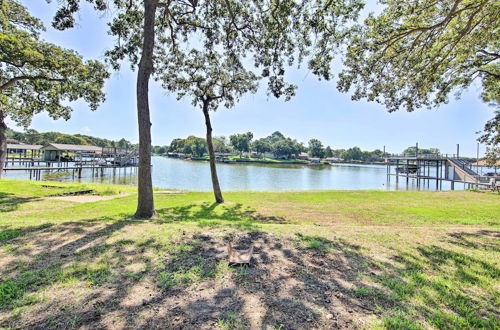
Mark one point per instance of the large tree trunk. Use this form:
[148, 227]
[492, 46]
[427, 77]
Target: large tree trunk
[145, 203]
[211, 153]
[3, 144]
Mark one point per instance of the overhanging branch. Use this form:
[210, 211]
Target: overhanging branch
[20, 78]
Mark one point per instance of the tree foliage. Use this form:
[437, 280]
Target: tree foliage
[261, 146]
[491, 134]
[31, 136]
[191, 145]
[286, 148]
[38, 76]
[272, 35]
[316, 148]
[70, 139]
[279, 145]
[159, 150]
[415, 53]
[492, 156]
[221, 144]
[354, 153]
[207, 78]
[422, 151]
[328, 152]
[241, 142]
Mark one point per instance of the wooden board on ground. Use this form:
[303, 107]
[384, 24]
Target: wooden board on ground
[239, 257]
[47, 186]
[74, 193]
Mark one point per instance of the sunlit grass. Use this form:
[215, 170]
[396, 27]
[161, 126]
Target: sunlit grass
[422, 259]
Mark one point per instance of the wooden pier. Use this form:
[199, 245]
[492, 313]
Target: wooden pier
[35, 172]
[73, 159]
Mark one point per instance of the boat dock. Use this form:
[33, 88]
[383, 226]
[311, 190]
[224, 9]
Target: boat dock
[427, 169]
[69, 159]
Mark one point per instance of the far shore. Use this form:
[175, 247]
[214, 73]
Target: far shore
[236, 160]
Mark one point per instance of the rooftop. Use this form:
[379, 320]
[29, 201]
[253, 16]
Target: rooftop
[24, 146]
[71, 147]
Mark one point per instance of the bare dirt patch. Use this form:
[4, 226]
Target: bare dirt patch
[87, 198]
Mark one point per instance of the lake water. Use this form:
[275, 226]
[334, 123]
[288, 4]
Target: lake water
[189, 175]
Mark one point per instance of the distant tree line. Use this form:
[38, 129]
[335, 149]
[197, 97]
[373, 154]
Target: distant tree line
[421, 151]
[32, 136]
[276, 144]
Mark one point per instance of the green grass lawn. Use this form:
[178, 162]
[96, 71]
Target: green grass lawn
[325, 259]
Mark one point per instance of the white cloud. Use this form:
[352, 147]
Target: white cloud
[85, 129]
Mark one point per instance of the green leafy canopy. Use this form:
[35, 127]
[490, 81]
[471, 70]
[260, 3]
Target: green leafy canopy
[38, 76]
[415, 53]
[267, 36]
[207, 79]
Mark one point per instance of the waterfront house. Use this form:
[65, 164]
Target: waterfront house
[303, 156]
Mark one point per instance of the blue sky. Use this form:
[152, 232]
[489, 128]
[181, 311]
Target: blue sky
[317, 111]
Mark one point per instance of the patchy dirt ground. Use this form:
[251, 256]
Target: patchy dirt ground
[286, 286]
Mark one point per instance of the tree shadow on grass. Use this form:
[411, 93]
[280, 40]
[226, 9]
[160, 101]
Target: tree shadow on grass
[6, 234]
[9, 202]
[193, 286]
[47, 266]
[482, 240]
[291, 283]
[207, 212]
[440, 286]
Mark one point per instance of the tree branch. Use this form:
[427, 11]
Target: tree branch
[489, 73]
[489, 54]
[20, 78]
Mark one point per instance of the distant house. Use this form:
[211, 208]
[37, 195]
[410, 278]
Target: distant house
[56, 151]
[303, 156]
[267, 155]
[333, 159]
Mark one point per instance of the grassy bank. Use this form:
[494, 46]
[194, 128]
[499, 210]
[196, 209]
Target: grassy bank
[322, 259]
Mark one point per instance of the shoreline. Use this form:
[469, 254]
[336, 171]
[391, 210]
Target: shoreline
[266, 162]
[133, 186]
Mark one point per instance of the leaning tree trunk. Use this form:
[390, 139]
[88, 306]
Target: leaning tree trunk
[3, 144]
[211, 153]
[145, 203]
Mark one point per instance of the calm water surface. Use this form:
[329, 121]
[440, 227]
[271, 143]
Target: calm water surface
[188, 175]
